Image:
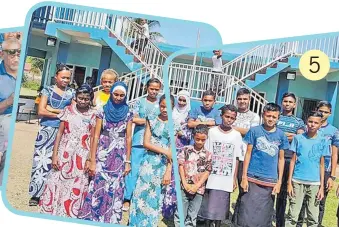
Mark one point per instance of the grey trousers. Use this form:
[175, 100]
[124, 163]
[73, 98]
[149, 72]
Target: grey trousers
[191, 206]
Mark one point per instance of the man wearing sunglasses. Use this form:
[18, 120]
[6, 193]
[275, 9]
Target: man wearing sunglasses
[10, 55]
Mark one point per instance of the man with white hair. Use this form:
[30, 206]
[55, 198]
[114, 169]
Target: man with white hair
[10, 53]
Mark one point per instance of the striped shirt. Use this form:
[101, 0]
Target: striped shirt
[290, 124]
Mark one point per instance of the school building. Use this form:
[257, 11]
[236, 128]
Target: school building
[90, 42]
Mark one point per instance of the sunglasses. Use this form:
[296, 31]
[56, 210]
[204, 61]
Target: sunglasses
[13, 52]
[325, 112]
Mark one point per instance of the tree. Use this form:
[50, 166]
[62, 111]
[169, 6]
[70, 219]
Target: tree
[154, 36]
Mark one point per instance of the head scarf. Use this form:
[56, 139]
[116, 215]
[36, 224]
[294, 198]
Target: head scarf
[180, 114]
[116, 112]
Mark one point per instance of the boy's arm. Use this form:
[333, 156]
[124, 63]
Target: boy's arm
[244, 182]
[334, 160]
[281, 164]
[291, 169]
[182, 177]
[320, 195]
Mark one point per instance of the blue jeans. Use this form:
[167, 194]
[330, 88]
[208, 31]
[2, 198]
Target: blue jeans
[191, 206]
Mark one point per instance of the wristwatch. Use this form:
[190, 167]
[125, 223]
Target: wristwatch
[333, 178]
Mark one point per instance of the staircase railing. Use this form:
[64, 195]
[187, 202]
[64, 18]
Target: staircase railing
[258, 58]
[136, 42]
[198, 79]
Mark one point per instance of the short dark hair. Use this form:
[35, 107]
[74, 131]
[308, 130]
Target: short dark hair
[164, 97]
[324, 103]
[289, 94]
[203, 129]
[229, 107]
[85, 89]
[315, 114]
[61, 67]
[243, 91]
[209, 92]
[153, 80]
[272, 107]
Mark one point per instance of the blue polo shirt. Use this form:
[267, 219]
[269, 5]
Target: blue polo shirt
[331, 135]
[290, 124]
[7, 86]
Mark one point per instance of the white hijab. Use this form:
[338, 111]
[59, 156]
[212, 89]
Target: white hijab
[180, 114]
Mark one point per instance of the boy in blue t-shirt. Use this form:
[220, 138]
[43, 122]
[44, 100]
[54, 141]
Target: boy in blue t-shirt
[306, 175]
[205, 114]
[331, 135]
[291, 126]
[263, 169]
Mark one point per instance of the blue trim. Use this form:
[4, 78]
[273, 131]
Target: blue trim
[282, 88]
[331, 96]
[62, 53]
[270, 72]
[105, 61]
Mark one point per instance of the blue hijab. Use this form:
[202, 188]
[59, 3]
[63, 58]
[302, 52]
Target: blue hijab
[116, 112]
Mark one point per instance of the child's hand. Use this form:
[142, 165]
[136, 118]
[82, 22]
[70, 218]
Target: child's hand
[244, 184]
[87, 164]
[276, 188]
[320, 194]
[187, 187]
[194, 189]
[167, 178]
[168, 153]
[55, 162]
[91, 169]
[49, 108]
[329, 184]
[127, 168]
[290, 190]
[235, 184]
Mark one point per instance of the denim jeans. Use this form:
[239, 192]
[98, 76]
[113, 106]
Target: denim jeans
[191, 206]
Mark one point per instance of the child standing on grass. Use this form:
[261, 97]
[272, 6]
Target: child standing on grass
[194, 168]
[263, 170]
[306, 175]
[225, 143]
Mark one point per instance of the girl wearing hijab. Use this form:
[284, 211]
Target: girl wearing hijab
[67, 183]
[109, 159]
[180, 118]
[183, 136]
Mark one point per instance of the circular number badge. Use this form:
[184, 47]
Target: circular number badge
[314, 65]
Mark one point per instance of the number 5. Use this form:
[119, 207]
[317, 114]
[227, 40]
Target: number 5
[314, 62]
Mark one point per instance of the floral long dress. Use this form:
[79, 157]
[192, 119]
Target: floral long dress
[66, 189]
[148, 195]
[104, 200]
[170, 196]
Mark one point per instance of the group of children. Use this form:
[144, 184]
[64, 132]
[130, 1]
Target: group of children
[281, 157]
[88, 164]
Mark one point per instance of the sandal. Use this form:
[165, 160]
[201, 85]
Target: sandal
[33, 201]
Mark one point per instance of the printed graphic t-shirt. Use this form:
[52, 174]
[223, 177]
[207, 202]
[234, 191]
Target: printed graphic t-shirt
[265, 153]
[225, 148]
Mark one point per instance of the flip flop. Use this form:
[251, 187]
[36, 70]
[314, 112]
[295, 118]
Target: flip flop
[33, 202]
